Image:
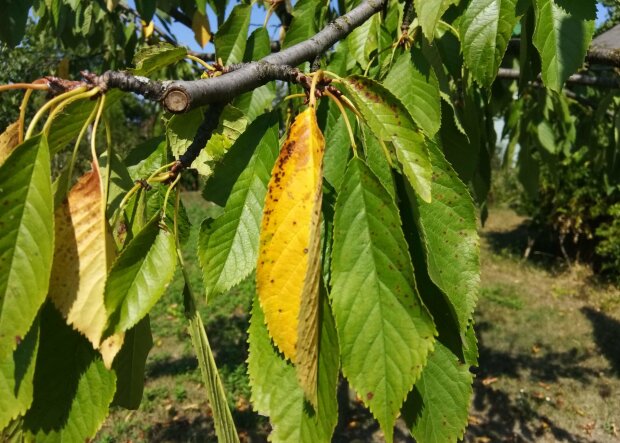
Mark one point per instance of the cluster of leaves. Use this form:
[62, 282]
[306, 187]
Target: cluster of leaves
[569, 167]
[360, 223]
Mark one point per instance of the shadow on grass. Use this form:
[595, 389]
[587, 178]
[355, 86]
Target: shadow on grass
[517, 419]
[606, 331]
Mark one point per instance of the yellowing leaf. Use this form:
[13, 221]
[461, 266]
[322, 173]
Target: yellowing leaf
[111, 4]
[63, 68]
[147, 28]
[8, 141]
[84, 252]
[287, 274]
[201, 28]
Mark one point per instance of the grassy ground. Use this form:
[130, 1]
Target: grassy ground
[549, 355]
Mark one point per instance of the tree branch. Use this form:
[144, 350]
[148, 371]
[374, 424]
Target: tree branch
[183, 96]
[596, 54]
[575, 79]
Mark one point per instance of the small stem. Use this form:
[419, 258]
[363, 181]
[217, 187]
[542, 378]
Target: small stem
[292, 96]
[93, 138]
[64, 104]
[49, 105]
[22, 116]
[207, 66]
[160, 169]
[172, 185]
[30, 86]
[77, 144]
[346, 119]
[124, 202]
[315, 78]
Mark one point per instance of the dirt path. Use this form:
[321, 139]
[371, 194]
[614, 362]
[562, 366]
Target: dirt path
[549, 348]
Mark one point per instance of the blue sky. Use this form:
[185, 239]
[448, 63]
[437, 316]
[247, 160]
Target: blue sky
[185, 36]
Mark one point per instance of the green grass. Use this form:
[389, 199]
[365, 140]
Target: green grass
[503, 295]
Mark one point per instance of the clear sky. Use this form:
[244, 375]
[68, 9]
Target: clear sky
[185, 36]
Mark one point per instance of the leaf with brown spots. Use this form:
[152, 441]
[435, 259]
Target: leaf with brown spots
[288, 268]
[83, 254]
[390, 121]
[8, 141]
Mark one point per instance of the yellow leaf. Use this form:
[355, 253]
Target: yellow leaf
[63, 68]
[201, 28]
[83, 254]
[288, 269]
[147, 28]
[111, 4]
[9, 140]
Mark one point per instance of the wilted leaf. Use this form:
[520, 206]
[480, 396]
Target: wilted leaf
[83, 254]
[9, 140]
[26, 238]
[288, 269]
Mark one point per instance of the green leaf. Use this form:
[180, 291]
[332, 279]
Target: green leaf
[72, 387]
[485, 30]
[303, 26]
[117, 184]
[258, 101]
[415, 84]
[157, 56]
[337, 142]
[139, 276]
[231, 37]
[447, 228]
[129, 365]
[437, 408]
[276, 392]
[146, 9]
[16, 375]
[430, 12]
[228, 246]
[562, 35]
[363, 40]
[146, 158]
[68, 124]
[222, 418]
[13, 21]
[377, 161]
[181, 130]
[384, 341]
[389, 120]
[26, 238]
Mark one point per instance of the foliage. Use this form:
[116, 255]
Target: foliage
[362, 231]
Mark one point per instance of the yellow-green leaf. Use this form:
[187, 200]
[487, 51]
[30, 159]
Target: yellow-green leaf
[84, 251]
[8, 141]
[287, 274]
[201, 28]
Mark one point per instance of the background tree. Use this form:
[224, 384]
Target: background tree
[347, 159]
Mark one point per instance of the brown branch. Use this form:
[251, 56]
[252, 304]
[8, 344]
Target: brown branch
[575, 79]
[182, 96]
[596, 55]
